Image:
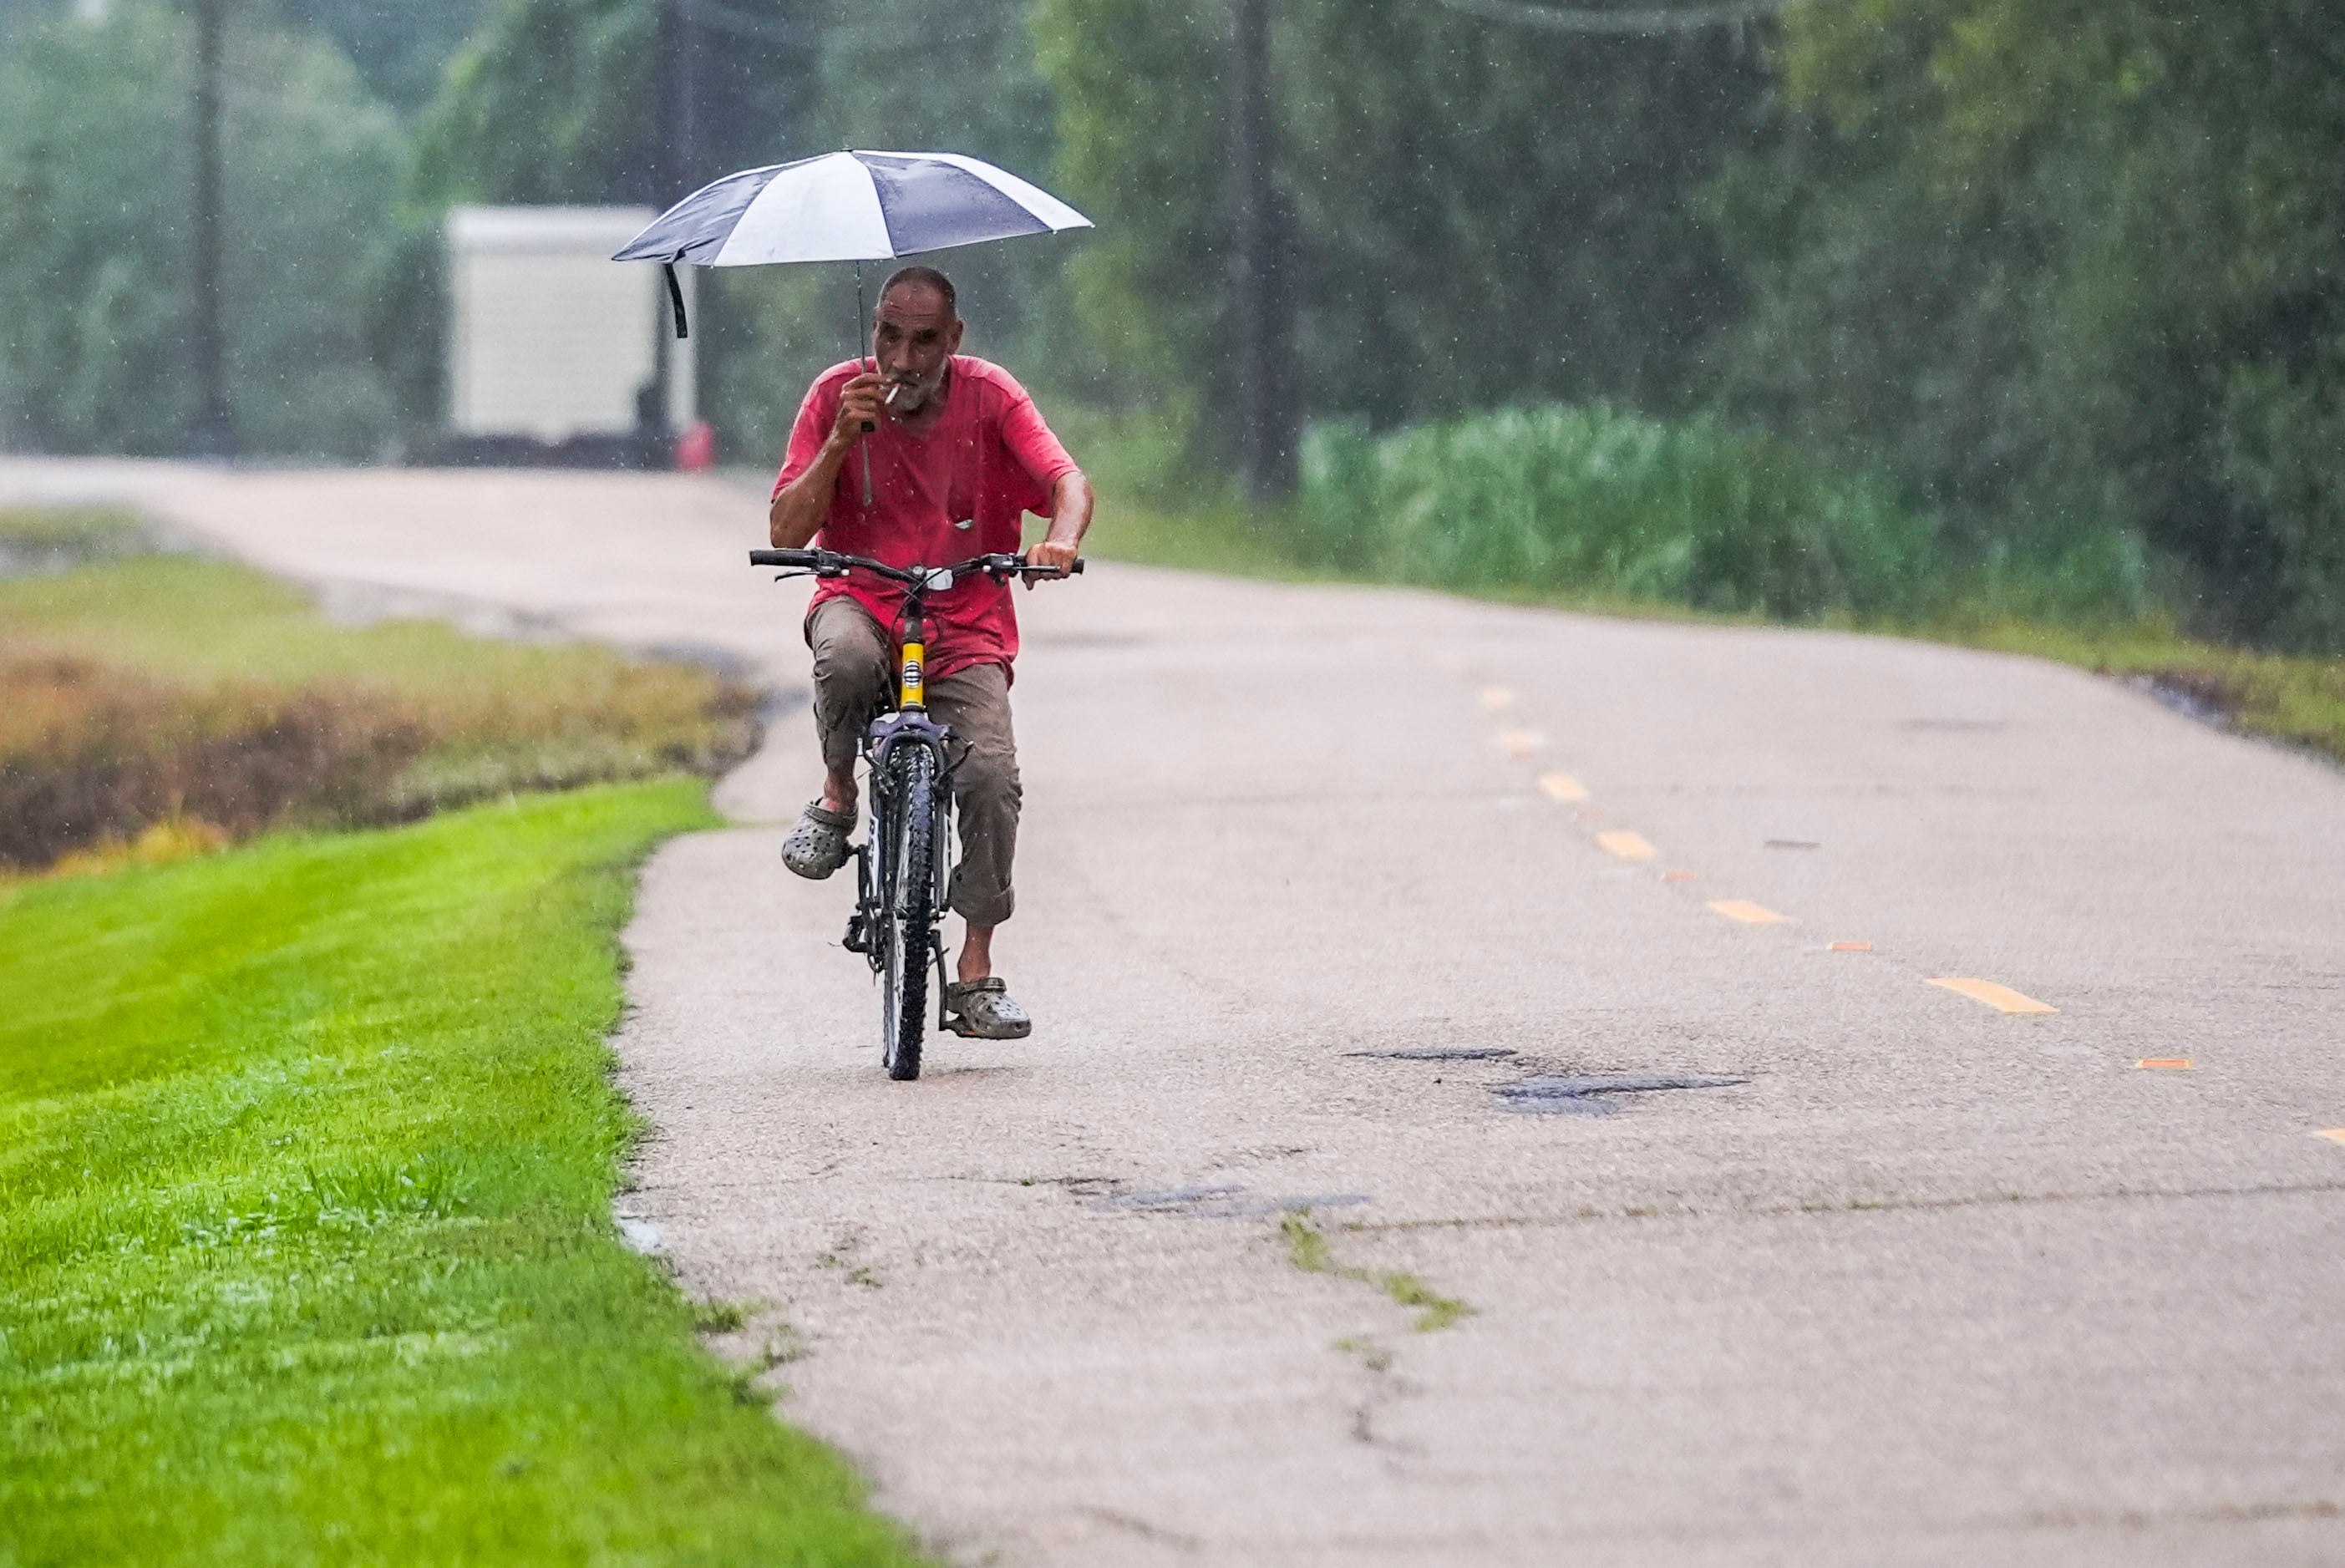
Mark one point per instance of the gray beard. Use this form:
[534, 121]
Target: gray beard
[916, 395]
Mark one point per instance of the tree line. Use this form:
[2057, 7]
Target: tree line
[2059, 272]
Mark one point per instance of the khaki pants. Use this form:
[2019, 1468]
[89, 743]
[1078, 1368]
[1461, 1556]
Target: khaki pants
[854, 680]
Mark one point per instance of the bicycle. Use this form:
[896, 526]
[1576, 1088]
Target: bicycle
[903, 865]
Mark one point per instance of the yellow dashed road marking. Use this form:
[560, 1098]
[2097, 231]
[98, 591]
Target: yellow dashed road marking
[2002, 998]
[1520, 743]
[1627, 845]
[1497, 697]
[2334, 1134]
[2166, 1064]
[1852, 947]
[1742, 909]
[1563, 787]
[1677, 876]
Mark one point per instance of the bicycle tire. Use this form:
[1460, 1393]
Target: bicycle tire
[907, 910]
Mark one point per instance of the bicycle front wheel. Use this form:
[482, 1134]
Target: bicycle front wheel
[908, 909]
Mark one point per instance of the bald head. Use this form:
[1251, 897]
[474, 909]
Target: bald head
[927, 278]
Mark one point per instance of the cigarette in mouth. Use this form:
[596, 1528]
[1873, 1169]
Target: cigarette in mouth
[890, 399]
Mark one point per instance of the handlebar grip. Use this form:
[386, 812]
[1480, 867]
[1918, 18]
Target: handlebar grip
[783, 557]
[1077, 569]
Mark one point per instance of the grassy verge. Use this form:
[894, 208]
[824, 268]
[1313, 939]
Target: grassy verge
[2281, 696]
[2296, 699]
[183, 693]
[307, 1151]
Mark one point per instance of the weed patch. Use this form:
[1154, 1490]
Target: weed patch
[142, 691]
[1308, 1249]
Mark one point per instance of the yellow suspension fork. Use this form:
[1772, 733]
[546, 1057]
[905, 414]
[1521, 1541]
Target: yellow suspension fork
[911, 683]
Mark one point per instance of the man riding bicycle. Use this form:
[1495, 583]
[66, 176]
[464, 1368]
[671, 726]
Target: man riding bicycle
[957, 454]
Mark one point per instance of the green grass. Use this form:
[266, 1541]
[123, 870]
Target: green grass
[2283, 697]
[307, 1154]
[71, 533]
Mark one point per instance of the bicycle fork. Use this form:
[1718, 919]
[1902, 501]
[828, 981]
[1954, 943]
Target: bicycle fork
[912, 697]
[871, 857]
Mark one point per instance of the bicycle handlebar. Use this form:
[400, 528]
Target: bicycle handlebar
[831, 563]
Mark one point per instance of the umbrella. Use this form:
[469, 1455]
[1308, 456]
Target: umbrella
[846, 207]
[853, 206]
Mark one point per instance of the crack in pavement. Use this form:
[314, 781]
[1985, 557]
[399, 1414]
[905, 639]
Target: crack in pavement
[1220, 1202]
[1821, 1211]
[1593, 1094]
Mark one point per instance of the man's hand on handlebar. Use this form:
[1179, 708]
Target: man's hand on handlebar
[1050, 557]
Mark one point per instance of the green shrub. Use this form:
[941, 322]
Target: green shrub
[1592, 501]
[95, 292]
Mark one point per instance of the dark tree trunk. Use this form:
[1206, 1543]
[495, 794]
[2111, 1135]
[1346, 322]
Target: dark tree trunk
[213, 435]
[1262, 285]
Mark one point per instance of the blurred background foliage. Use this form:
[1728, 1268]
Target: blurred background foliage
[2038, 295]
[95, 234]
[2067, 266]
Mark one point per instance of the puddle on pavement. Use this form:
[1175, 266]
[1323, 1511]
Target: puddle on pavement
[1438, 1054]
[1594, 1094]
[2207, 698]
[1220, 1202]
[640, 1235]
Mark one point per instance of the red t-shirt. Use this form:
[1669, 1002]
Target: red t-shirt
[956, 490]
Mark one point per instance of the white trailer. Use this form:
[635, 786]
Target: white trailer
[549, 341]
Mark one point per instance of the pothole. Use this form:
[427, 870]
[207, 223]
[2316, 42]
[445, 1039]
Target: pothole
[1594, 1094]
[1439, 1053]
[1222, 1202]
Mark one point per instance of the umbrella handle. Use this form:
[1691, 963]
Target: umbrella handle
[862, 327]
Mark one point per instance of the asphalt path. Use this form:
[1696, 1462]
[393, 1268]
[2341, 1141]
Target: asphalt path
[1261, 1252]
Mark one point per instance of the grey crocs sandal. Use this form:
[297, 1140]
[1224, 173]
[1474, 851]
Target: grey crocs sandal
[817, 845]
[983, 1010]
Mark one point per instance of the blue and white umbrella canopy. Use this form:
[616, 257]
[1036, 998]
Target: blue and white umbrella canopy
[849, 206]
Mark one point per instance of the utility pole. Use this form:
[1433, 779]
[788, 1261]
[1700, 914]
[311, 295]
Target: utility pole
[215, 437]
[683, 88]
[1261, 282]
[673, 159]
